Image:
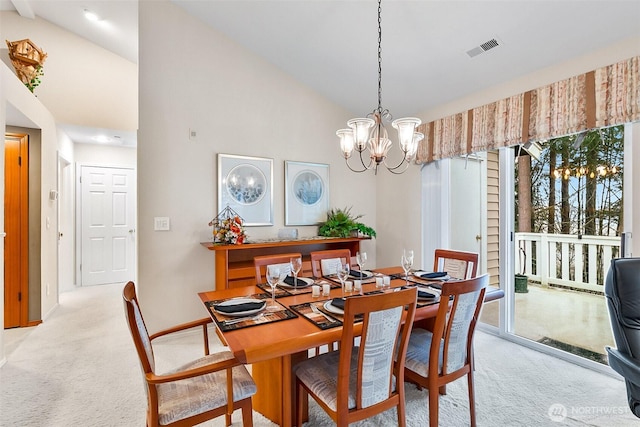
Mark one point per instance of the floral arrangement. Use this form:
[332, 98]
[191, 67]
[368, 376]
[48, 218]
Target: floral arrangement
[228, 228]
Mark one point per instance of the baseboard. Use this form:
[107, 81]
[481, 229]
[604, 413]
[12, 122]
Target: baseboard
[50, 312]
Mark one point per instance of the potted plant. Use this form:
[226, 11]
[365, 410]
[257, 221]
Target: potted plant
[341, 223]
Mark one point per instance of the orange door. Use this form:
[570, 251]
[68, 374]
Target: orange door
[16, 223]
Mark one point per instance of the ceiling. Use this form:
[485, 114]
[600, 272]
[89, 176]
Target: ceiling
[331, 45]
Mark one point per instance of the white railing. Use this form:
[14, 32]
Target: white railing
[579, 262]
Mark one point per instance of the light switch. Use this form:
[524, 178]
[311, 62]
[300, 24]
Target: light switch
[161, 223]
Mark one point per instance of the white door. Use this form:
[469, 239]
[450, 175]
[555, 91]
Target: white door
[108, 225]
[468, 187]
[65, 226]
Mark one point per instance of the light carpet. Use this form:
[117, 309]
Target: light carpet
[79, 368]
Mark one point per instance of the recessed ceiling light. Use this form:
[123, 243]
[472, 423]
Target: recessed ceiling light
[101, 138]
[91, 16]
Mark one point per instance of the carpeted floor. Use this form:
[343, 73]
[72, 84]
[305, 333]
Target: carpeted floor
[79, 368]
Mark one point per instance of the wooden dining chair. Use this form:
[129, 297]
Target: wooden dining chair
[457, 264]
[446, 354]
[261, 262]
[195, 392]
[356, 383]
[317, 256]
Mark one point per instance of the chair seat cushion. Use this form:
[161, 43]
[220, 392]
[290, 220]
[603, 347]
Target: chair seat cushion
[417, 359]
[181, 399]
[320, 375]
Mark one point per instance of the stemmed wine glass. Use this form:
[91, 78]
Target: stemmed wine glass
[343, 273]
[296, 265]
[407, 263]
[361, 259]
[273, 277]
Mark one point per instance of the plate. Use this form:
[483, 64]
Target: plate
[306, 281]
[237, 301]
[425, 298]
[332, 309]
[419, 274]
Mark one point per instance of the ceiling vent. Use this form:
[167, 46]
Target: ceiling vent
[483, 48]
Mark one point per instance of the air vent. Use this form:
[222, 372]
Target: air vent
[483, 48]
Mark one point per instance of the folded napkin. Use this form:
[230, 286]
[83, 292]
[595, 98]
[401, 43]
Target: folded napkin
[356, 274]
[426, 295]
[338, 303]
[434, 275]
[236, 308]
[290, 280]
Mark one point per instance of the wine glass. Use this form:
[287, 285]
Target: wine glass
[343, 274]
[296, 265]
[407, 263]
[361, 259]
[273, 277]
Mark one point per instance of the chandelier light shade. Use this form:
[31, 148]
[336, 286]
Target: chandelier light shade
[369, 133]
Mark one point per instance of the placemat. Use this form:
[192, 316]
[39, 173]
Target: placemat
[280, 292]
[318, 319]
[230, 323]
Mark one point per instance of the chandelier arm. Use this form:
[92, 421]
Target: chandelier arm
[346, 161]
[393, 170]
[366, 167]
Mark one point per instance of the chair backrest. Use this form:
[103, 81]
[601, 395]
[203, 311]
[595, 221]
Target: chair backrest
[138, 328]
[457, 264]
[622, 292]
[458, 314]
[262, 262]
[383, 337]
[317, 258]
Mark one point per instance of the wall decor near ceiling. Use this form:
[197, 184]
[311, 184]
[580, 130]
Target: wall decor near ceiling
[246, 185]
[306, 197]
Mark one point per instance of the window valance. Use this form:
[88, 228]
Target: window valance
[605, 97]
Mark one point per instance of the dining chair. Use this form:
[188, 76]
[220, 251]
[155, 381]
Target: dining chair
[358, 382]
[326, 257]
[262, 262]
[457, 264]
[622, 292]
[195, 392]
[436, 358]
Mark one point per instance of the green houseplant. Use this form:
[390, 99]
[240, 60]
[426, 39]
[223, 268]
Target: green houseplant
[341, 223]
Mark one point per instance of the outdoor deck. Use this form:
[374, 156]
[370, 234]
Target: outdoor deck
[557, 316]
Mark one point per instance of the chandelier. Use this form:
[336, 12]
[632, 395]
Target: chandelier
[370, 132]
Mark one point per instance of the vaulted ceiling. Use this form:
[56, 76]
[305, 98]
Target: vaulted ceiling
[433, 52]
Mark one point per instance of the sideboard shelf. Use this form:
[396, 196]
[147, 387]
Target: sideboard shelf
[234, 263]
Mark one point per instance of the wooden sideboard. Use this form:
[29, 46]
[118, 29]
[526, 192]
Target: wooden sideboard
[234, 263]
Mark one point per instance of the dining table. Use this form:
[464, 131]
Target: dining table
[275, 340]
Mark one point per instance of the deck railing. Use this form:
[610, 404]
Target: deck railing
[579, 262]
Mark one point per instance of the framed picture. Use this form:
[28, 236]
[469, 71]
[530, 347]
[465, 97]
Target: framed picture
[246, 185]
[306, 197]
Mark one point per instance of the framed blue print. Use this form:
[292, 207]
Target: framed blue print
[306, 197]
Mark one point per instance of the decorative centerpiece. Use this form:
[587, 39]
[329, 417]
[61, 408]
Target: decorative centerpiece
[228, 228]
[27, 59]
[341, 223]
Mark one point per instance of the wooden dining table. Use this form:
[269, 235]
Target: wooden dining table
[273, 349]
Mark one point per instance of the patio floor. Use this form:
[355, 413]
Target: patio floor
[577, 322]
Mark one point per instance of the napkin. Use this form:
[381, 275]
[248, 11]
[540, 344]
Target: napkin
[434, 275]
[356, 274]
[338, 303]
[290, 280]
[426, 295]
[235, 308]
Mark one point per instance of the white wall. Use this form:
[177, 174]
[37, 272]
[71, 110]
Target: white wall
[193, 77]
[393, 190]
[83, 84]
[105, 155]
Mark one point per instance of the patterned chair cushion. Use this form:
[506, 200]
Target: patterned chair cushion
[181, 399]
[329, 266]
[285, 268]
[417, 358]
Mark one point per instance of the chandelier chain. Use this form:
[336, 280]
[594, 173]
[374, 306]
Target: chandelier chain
[380, 56]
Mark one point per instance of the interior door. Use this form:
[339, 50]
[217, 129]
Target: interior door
[108, 225]
[16, 223]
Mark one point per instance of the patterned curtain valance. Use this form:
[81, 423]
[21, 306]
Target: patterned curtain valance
[607, 96]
